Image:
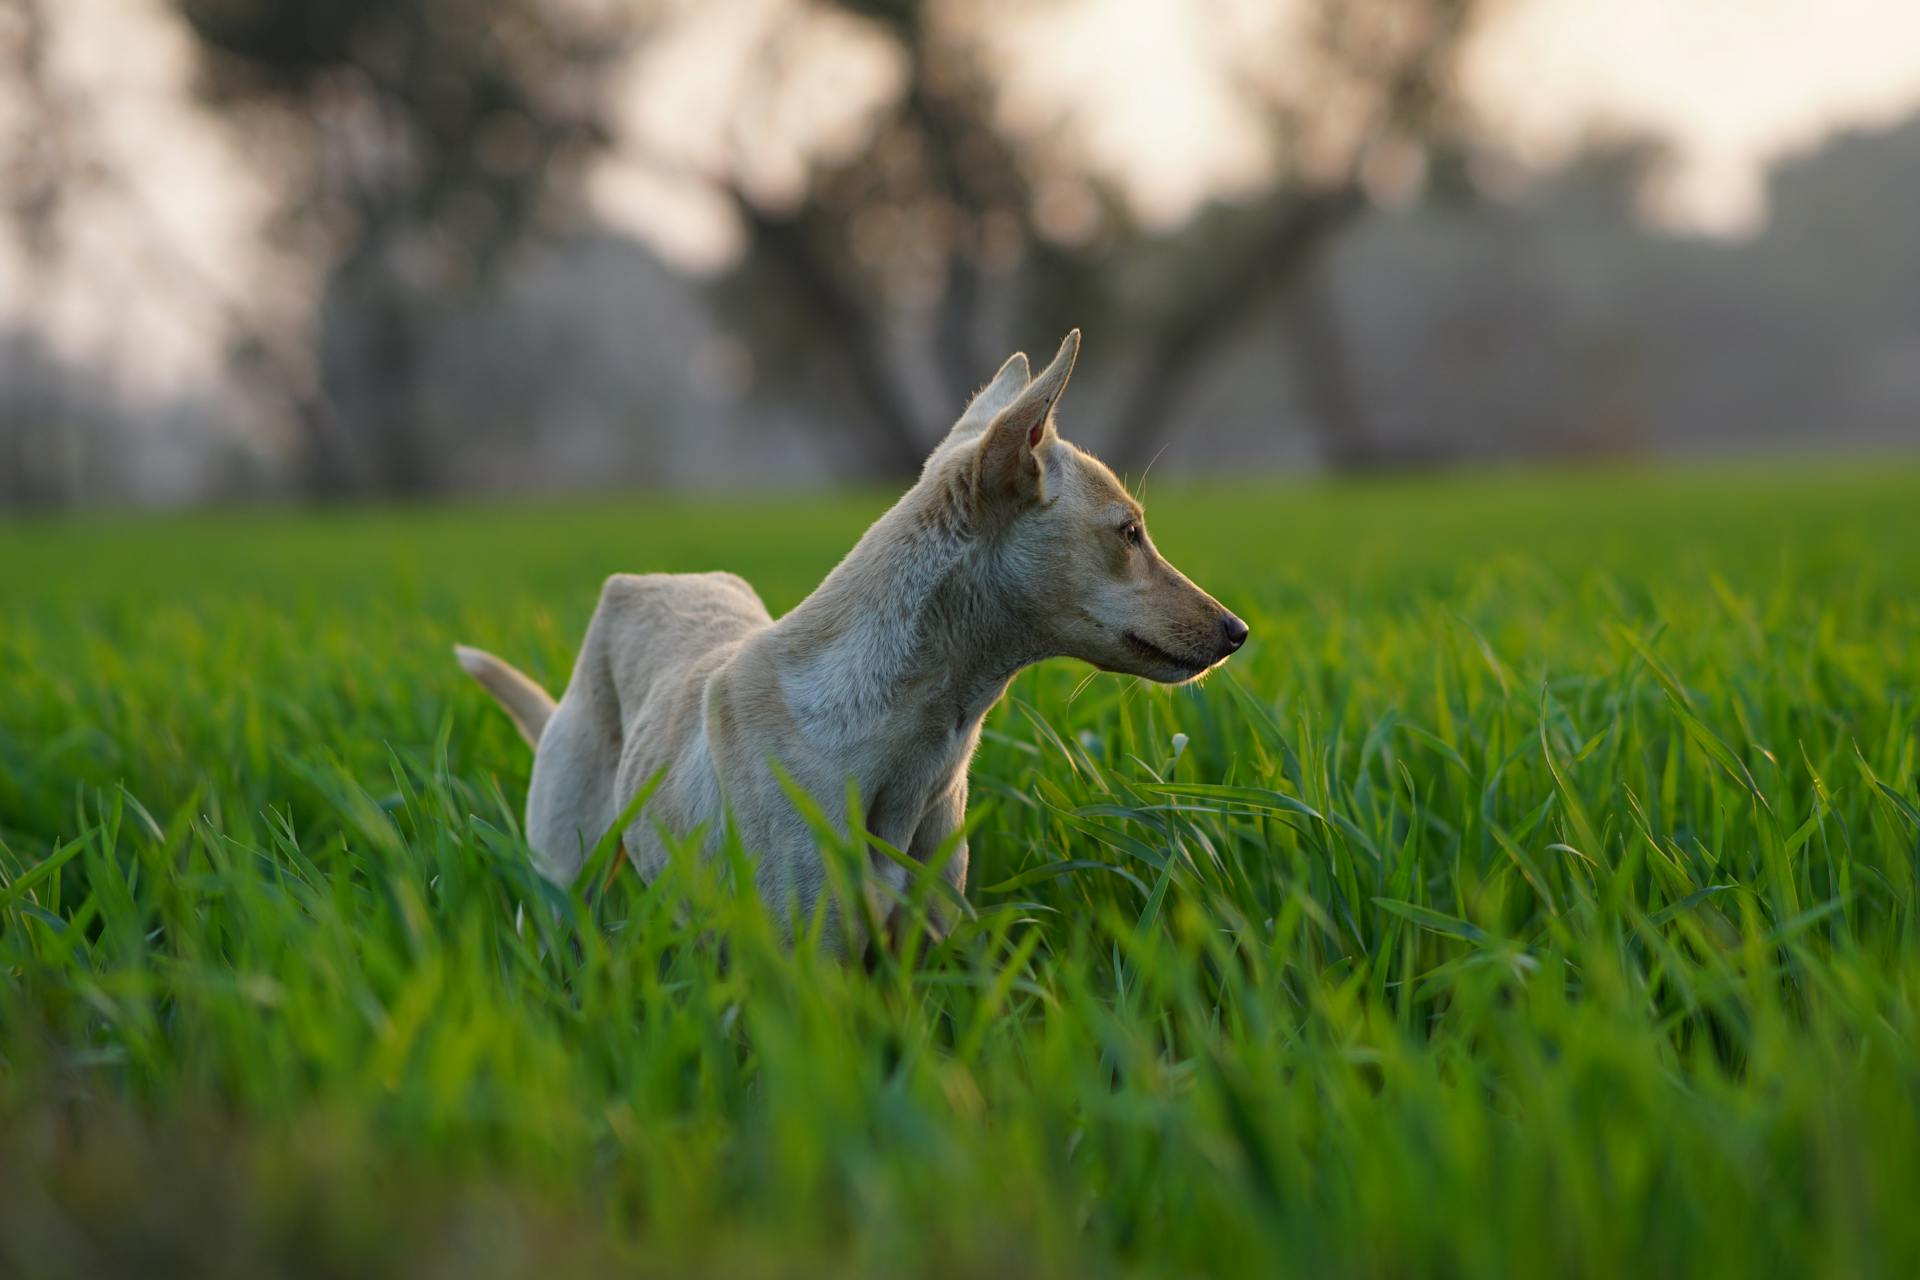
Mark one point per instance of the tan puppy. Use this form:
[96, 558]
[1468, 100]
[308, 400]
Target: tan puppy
[1014, 546]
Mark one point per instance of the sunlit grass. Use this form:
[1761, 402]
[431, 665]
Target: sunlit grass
[1534, 895]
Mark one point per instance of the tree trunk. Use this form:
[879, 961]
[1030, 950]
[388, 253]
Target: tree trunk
[403, 463]
[956, 336]
[1211, 314]
[326, 472]
[957, 353]
[365, 435]
[893, 444]
[1324, 376]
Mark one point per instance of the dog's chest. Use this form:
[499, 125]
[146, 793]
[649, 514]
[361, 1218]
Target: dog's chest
[905, 770]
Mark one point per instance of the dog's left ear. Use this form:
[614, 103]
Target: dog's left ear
[1008, 463]
[1005, 387]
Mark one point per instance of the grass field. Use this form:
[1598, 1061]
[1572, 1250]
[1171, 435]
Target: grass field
[1535, 895]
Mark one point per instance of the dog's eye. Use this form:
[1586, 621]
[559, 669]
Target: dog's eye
[1130, 531]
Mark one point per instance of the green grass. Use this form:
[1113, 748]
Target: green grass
[1535, 895]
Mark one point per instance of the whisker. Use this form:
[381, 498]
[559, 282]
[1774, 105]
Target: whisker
[1149, 470]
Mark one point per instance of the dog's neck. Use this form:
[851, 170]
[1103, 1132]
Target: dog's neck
[902, 632]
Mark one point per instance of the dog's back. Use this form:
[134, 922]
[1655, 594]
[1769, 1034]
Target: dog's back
[634, 705]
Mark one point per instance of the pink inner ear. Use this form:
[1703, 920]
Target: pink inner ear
[1035, 431]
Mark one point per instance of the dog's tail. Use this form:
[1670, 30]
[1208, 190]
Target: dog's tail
[527, 703]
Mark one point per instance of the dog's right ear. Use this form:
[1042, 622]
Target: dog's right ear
[992, 398]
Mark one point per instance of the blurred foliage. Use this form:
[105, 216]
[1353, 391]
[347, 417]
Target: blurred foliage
[946, 203]
[430, 138]
[417, 150]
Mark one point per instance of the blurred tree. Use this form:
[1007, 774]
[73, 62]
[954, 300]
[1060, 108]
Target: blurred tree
[42, 160]
[906, 223]
[426, 140]
[42, 156]
[900, 235]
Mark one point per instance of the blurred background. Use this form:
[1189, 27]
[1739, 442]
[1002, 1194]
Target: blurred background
[321, 250]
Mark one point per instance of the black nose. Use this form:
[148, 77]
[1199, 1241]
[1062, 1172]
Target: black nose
[1233, 634]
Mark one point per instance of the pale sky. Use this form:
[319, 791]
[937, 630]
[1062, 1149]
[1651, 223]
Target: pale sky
[1733, 84]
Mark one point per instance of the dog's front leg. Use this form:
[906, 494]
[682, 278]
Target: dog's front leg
[945, 816]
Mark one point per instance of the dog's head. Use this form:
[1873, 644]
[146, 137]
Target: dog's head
[1064, 546]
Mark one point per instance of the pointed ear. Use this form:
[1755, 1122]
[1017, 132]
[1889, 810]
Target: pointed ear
[1007, 462]
[995, 396]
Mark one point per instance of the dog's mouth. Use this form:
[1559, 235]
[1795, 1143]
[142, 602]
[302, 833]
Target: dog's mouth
[1187, 667]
